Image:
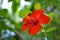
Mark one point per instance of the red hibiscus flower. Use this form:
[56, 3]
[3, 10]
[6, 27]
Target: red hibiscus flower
[33, 22]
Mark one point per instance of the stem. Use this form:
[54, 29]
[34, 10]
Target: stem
[45, 35]
[32, 38]
[20, 35]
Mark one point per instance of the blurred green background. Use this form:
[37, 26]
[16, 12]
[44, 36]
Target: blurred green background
[12, 13]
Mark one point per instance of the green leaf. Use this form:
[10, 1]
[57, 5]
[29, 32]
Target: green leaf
[28, 0]
[15, 6]
[4, 12]
[23, 13]
[42, 30]
[44, 25]
[51, 15]
[27, 7]
[58, 19]
[3, 26]
[17, 1]
[9, 0]
[50, 29]
[17, 25]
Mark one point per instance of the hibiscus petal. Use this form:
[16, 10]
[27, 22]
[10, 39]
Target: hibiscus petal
[28, 20]
[35, 14]
[25, 26]
[44, 19]
[34, 29]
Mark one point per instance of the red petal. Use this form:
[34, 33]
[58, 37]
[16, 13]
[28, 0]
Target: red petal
[34, 29]
[35, 14]
[25, 26]
[44, 19]
[28, 20]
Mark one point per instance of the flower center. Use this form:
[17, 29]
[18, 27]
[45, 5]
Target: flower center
[35, 23]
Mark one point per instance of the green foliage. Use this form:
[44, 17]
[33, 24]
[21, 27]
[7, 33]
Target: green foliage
[28, 0]
[9, 0]
[16, 1]
[18, 26]
[50, 29]
[4, 13]
[26, 7]
[3, 26]
[51, 15]
[23, 13]
[58, 19]
[15, 7]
